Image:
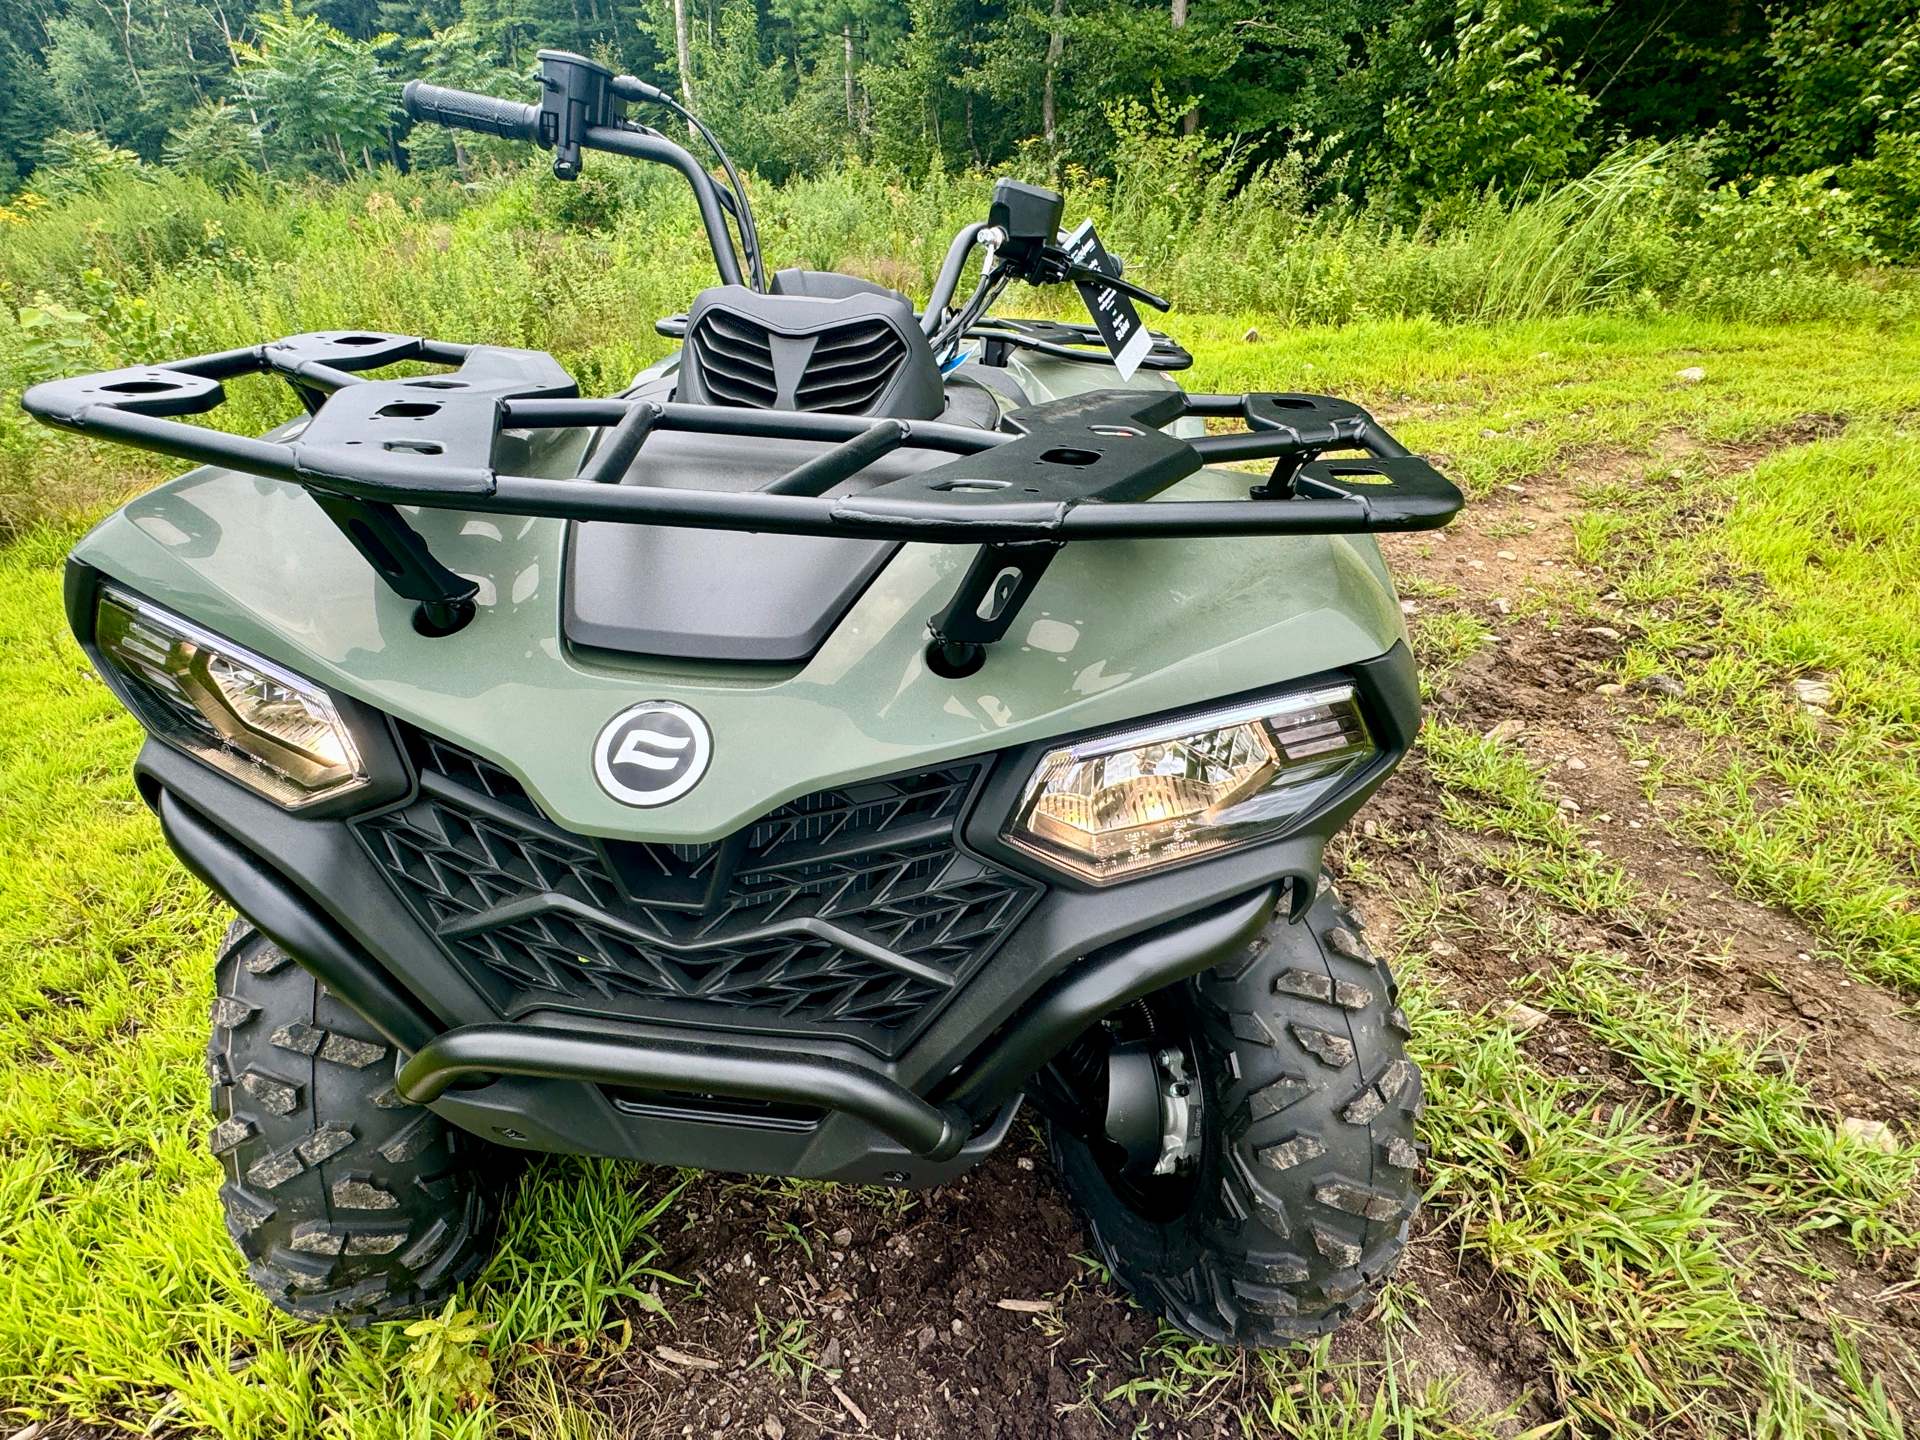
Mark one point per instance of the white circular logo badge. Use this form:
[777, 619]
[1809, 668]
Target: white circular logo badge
[652, 753]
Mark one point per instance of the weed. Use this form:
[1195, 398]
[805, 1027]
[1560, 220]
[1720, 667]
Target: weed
[785, 1232]
[1444, 641]
[1510, 528]
[1300, 1394]
[447, 1357]
[574, 1246]
[890, 1201]
[1876, 1416]
[536, 1407]
[1621, 1265]
[785, 1350]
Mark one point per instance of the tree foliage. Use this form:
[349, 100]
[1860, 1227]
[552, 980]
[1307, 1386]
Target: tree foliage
[1410, 103]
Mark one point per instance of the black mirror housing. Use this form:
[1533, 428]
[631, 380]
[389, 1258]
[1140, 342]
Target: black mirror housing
[1030, 216]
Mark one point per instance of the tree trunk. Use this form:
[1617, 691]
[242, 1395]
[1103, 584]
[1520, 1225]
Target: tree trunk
[126, 38]
[846, 34]
[683, 55]
[1190, 123]
[463, 163]
[1056, 43]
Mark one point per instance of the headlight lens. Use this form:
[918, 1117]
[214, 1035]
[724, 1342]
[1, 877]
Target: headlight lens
[241, 714]
[1115, 807]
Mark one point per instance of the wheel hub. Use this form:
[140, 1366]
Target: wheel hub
[1151, 1112]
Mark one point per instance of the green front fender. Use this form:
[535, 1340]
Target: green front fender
[1116, 630]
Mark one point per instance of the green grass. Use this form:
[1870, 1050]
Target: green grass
[120, 1293]
[163, 265]
[1804, 566]
[1489, 786]
[1301, 1394]
[1740, 1093]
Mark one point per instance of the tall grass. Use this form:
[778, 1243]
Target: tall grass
[152, 264]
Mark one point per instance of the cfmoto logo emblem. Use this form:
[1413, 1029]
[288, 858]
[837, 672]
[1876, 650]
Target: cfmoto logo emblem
[652, 753]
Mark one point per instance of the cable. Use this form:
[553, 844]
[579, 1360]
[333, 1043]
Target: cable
[630, 88]
[993, 280]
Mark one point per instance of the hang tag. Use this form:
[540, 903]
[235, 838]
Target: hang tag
[1113, 313]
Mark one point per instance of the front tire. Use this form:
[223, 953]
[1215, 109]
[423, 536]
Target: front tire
[1298, 1207]
[347, 1203]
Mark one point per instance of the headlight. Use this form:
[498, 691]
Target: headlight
[262, 725]
[1115, 807]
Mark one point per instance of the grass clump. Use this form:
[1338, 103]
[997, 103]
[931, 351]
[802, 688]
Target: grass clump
[1302, 1393]
[1795, 1161]
[1621, 1266]
[1490, 787]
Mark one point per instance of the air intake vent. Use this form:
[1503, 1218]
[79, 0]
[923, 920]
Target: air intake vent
[852, 913]
[736, 361]
[850, 367]
[847, 369]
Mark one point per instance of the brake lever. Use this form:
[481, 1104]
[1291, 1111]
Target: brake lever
[1052, 266]
[1087, 275]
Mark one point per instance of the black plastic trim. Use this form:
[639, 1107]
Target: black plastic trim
[1101, 984]
[326, 869]
[279, 912]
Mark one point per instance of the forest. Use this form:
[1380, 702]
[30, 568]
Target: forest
[1409, 108]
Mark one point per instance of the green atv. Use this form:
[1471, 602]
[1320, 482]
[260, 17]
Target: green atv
[866, 723]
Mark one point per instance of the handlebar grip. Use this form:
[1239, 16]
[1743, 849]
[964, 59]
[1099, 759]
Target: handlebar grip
[465, 110]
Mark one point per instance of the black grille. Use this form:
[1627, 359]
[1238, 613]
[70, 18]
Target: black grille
[850, 912]
[847, 372]
[736, 360]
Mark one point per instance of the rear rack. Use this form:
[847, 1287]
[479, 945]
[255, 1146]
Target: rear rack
[1071, 469]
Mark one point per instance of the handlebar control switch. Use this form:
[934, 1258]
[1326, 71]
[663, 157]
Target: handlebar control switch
[1030, 216]
[576, 94]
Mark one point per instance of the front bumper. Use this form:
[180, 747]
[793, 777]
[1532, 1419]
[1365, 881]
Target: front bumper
[588, 1061]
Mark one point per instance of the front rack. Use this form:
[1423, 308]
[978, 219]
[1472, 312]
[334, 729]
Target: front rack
[1069, 469]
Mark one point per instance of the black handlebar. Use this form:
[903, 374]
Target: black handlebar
[464, 110]
[581, 111]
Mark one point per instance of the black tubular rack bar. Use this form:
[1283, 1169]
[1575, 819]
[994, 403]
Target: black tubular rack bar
[1070, 469]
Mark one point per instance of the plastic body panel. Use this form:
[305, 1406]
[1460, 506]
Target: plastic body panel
[1117, 629]
[717, 595]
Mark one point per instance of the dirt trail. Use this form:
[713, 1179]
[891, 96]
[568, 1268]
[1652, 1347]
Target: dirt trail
[1856, 1044]
[906, 1304]
[1758, 969]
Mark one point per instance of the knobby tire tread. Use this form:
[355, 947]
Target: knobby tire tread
[1310, 1171]
[347, 1203]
